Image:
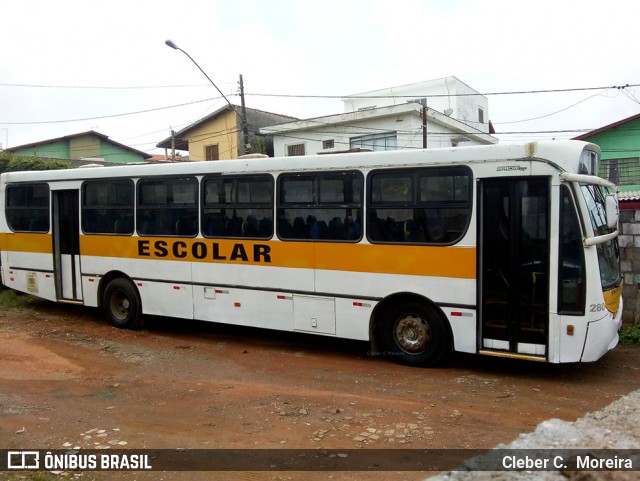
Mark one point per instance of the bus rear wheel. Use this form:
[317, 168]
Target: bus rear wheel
[414, 334]
[122, 305]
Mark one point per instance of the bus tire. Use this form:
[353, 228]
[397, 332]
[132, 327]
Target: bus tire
[121, 304]
[414, 334]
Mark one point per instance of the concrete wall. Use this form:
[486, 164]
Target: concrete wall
[630, 264]
[442, 94]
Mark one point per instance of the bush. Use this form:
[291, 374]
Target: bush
[10, 162]
[630, 335]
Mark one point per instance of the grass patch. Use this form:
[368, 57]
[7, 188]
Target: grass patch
[11, 298]
[630, 335]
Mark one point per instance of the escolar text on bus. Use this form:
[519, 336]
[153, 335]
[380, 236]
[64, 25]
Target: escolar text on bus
[202, 250]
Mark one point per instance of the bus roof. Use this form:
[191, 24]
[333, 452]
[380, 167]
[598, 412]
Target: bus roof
[565, 154]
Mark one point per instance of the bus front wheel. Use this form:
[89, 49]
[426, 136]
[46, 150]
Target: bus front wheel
[414, 334]
[122, 305]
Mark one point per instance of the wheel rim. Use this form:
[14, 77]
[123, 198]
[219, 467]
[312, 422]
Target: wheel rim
[120, 305]
[412, 333]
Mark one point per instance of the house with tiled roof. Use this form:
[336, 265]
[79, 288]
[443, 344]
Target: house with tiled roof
[221, 135]
[619, 143]
[85, 146]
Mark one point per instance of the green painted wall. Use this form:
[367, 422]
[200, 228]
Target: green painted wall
[56, 150]
[82, 146]
[619, 142]
[113, 153]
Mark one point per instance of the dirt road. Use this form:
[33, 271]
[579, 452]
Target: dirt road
[68, 379]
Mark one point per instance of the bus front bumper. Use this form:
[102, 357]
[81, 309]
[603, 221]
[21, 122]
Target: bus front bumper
[602, 336]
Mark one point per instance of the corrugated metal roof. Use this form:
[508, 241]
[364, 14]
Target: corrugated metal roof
[630, 195]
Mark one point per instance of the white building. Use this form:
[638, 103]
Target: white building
[393, 118]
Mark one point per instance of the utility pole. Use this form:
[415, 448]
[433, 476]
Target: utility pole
[245, 126]
[424, 126]
[173, 145]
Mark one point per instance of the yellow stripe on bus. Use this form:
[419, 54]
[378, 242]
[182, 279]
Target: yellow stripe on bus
[458, 262]
[440, 261]
[40, 243]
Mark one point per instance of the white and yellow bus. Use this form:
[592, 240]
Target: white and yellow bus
[504, 250]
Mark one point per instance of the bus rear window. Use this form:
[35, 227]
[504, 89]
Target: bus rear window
[27, 207]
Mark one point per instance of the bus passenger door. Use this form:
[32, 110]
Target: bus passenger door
[66, 245]
[514, 267]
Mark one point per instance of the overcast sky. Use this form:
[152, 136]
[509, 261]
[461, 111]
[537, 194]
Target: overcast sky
[68, 66]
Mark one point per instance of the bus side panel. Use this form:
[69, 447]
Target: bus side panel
[352, 318]
[216, 295]
[245, 307]
[29, 272]
[90, 286]
[164, 286]
[439, 290]
[172, 299]
[253, 276]
[463, 324]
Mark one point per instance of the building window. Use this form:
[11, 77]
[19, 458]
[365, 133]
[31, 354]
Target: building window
[386, 141]
[295, 150]
[328, 144]
[212, 152]
[481, 115]
[621, 171]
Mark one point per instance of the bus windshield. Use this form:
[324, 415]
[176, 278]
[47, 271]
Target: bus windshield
[608, 252]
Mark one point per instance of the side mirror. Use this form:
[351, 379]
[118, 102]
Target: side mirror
[611, 209]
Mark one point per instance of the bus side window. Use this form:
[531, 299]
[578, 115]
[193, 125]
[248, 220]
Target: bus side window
[238, 206]
[27, 207]
[107, 207]
[571, 298]
[429, 205]
[320, 206]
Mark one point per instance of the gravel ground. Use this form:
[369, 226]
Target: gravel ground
[617, 426]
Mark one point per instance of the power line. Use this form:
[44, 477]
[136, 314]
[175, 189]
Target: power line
[102, 87]
[138, 87]
[359, 130]
[303, 96]
[486, 94]
[112, 115]
[549, 114]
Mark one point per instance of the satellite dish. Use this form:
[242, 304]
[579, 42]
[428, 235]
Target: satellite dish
[448, 112]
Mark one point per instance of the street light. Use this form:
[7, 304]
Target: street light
[242, 117]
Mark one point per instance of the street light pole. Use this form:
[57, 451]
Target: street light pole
[243, 120]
